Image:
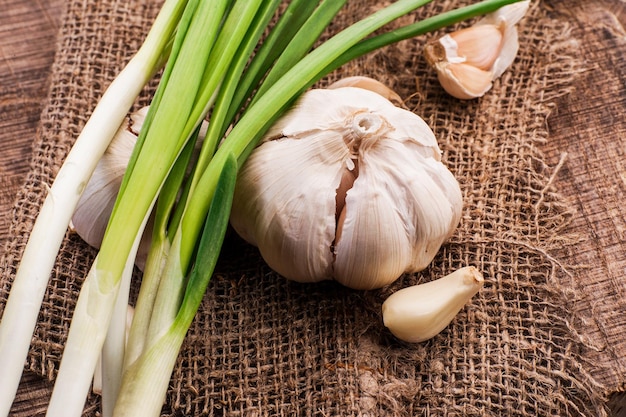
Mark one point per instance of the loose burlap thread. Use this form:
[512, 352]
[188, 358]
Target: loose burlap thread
[263, 346]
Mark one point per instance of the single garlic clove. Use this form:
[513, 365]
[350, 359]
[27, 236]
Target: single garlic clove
[370, 84]
[418, 313]
[464, 81]
[510, 46]
[468, 60]
[462, 77]
[507, 17]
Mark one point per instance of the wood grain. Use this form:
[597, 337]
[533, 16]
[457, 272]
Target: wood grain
[589, 127]
[28, 31]
[27, 45]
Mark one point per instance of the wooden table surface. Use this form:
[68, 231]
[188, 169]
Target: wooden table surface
[587, 134]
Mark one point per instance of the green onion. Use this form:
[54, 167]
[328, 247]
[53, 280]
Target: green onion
[212, 70]
[147, 378]
[22, 307]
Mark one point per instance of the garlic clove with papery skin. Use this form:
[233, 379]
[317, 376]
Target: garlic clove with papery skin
[469, 60]
[346, 186]
[418, 313]
[381, 210]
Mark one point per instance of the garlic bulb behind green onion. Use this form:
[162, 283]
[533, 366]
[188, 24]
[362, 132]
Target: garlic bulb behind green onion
[96, 203]
[346, 186]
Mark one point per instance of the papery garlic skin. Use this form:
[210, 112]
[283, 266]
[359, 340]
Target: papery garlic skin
[469, 60]
[418, 313]
[370, 84]
[346, 186]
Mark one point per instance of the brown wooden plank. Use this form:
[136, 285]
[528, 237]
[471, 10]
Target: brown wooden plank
[33, 396]
[589, 127]
[28, 31]
[27, 45]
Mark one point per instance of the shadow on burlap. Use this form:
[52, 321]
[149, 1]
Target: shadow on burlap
[263, 346]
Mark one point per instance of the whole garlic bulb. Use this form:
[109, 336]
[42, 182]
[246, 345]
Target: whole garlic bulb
[346, 186]
[468, 60]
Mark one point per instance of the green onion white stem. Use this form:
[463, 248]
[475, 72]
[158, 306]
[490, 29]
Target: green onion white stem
[161, 300]
[113, 348]
[22, 307]
[162, 138]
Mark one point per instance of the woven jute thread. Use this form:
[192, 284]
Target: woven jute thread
[263, 346]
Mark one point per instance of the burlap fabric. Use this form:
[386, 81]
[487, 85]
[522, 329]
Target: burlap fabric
[262, 346]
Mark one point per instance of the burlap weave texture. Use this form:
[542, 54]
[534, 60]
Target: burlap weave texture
[263, 346]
